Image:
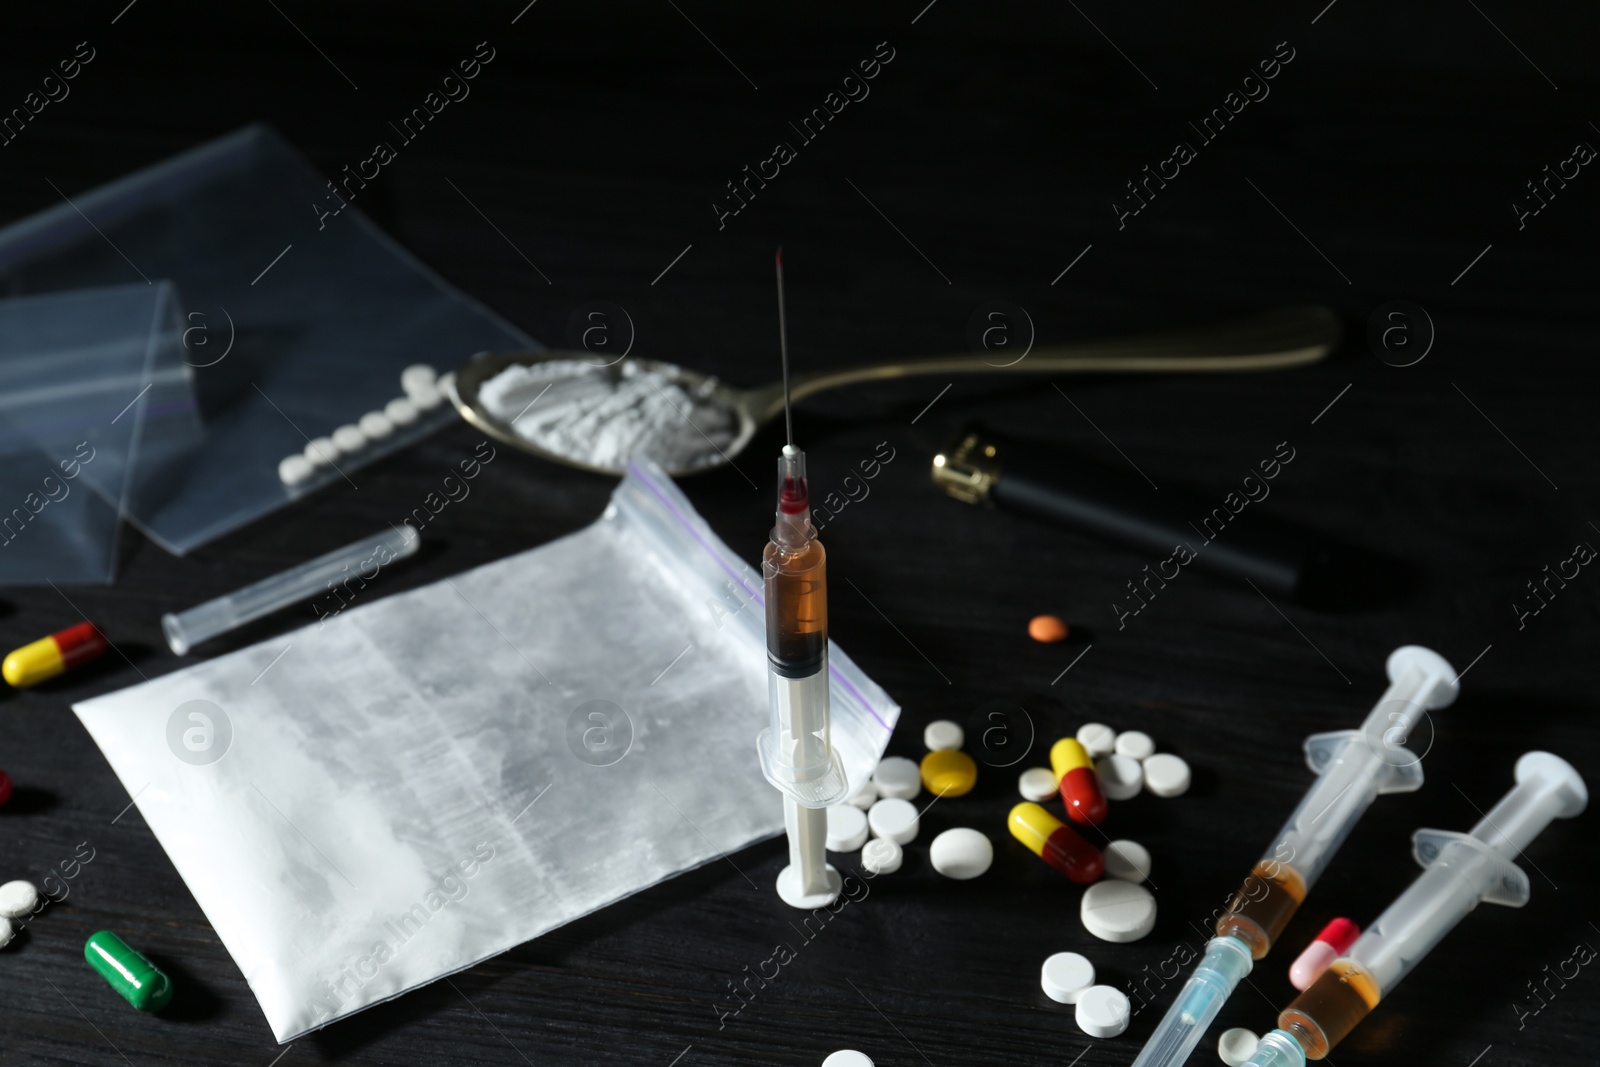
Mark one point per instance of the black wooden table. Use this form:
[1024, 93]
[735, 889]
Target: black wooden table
[989, 159]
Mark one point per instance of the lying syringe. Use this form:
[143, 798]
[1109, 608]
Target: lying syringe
[1459, 870]
[1353, 767]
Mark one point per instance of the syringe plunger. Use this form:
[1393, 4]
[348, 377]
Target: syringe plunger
[1547, 788]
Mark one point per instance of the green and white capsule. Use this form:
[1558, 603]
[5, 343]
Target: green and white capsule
[141, 983]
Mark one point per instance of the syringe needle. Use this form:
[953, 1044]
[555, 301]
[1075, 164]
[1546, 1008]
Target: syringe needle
[783, 348]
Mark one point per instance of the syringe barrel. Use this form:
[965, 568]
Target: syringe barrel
[1330, 809]
[796, 749]
[357, 560]
[1420, 917]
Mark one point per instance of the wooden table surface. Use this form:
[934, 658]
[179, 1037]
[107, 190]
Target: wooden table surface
[1383, 162]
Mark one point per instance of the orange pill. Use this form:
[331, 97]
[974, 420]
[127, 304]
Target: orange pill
[1047, 628]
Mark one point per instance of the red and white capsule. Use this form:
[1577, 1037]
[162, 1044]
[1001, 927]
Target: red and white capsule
[1334, 941]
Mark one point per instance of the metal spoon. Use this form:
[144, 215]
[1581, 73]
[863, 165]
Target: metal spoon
[1288, 337]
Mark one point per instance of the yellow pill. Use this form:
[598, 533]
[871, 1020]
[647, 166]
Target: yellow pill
[1068, 754]
[949, 772]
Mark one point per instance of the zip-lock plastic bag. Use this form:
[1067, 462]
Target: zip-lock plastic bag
[96, 409]
[294, 322]
[370, 803]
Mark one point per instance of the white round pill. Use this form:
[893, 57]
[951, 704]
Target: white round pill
[17, 899]
[349, 438]
[1127, 860]
[847, 828]
[1037, 784]
[418, 377]
[400, 411]
[1135, 744]
[864, 797]
[943, 734]
[961, 853]
[1166, 775]
[1098, 738]
[898, 777]
[847, 1058]
[1121, 777]
[321, 451]
[882, 856]
[1103, 1011]
[895, 819]
[1236, 1046]
[426, 399]
[1065, 976]
[375, 425]
[292, 470]
[1118, 911]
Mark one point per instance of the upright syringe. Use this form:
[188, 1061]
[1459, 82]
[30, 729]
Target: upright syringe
[796, 753]
[1459, 871]
[1353, 768]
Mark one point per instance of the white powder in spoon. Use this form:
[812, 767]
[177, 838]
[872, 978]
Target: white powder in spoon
[605, 416]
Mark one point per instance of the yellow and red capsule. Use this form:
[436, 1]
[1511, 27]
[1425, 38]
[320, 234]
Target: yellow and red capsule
[49, 656]
[1079, 784]
[1056, 843]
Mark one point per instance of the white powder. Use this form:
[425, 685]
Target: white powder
[605, 416]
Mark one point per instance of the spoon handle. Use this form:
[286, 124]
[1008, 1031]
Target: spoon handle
[1287, 337]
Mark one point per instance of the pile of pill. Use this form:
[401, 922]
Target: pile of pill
[1087, 770]
[880, 818]
[424, 390]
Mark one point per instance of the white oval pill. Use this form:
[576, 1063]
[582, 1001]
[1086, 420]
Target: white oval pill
[375, 425]
[847, 828]
[321, 451]
[349, 438]
[1135, 744]
[6, 930]
[1236, 1046]
[1118, 911]
[895, 819]
[1103, 1011]
[961, 853]
[943, 734]
[847, 1058]
[1166, 775]
[864, 797]
[417, 378]
[17, 899]
[292, 470]
[400, 411]
[881, 856]
[1098, 738]
[1121, 777]
[898, 777]
[1065, 976]
[1037, 784]
[1127, 860]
